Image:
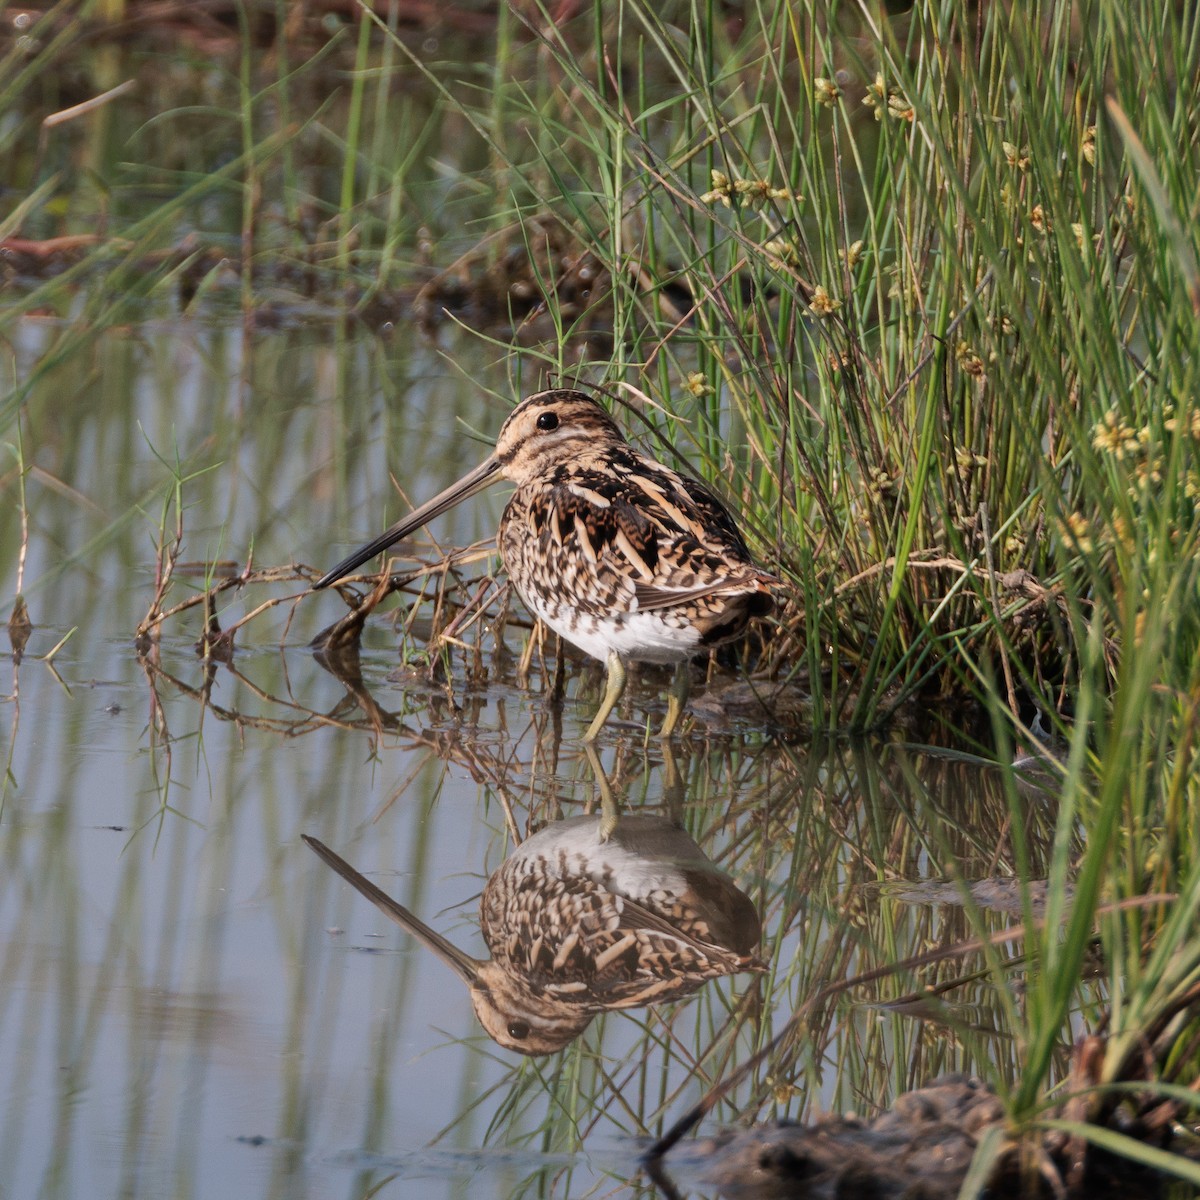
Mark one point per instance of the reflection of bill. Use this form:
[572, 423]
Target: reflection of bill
[578, 925]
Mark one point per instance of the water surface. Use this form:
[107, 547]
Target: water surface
[194, 1004]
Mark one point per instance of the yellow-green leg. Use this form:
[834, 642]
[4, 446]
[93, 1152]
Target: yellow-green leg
[677, 699]
[614, 687]
[610, 810]
[674, 792]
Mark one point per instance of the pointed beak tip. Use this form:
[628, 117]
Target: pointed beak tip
[474, 481]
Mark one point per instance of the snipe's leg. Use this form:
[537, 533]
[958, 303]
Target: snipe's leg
[612, 693]
[610, 810]
[677, 699]
[674, 792]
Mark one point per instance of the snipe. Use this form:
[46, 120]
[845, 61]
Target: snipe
[622, 556]
[578, 922]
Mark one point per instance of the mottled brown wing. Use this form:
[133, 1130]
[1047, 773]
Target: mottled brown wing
[651, 598]
[715, 515]
[594, 509]
[668, 536]
[574, 940]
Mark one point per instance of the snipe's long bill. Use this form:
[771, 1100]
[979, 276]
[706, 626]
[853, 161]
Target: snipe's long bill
[625, 558]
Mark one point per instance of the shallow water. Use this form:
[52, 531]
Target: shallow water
[193, 1004]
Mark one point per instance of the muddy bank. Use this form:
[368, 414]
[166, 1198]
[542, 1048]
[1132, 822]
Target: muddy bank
[920, 1149]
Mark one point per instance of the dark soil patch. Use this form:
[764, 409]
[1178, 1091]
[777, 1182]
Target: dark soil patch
[920, 1149]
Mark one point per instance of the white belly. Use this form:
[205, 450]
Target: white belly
[637, 637]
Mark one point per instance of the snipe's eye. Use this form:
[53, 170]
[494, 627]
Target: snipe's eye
[548, 420]
[519, 1030]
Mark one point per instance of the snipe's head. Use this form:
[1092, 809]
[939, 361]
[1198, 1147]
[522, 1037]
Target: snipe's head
[513, 1016]
[510, 1011]
[549, 428]
[545, 429]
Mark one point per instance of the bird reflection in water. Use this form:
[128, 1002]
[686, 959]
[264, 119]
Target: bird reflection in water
[582, 918]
